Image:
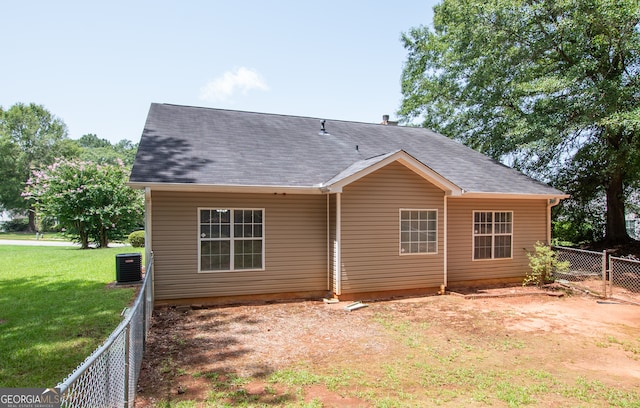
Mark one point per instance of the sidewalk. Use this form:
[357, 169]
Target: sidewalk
[27, 242]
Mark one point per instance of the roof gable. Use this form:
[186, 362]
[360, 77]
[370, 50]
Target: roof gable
[214, 148]
[365, 167]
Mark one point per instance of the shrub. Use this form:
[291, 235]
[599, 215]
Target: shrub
[16, 225]
[136, 239]
[543, 262]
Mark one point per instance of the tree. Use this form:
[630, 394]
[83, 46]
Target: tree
[102, 151]
[30, 138]
[126, 150]
[89, 200]
[550, 86]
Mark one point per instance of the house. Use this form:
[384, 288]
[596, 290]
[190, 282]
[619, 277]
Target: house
[632, 223]
[252, 205]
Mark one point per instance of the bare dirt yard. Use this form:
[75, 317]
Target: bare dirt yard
[451, 351]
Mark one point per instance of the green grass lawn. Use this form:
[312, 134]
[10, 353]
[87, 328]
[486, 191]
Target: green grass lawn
[55, 309]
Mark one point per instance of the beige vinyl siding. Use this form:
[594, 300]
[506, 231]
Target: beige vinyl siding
[295, 234]
[529, 226]
[371, 259]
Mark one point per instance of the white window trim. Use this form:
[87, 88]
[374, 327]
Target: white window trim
[493, 235]
[231, 238]
[400, 232]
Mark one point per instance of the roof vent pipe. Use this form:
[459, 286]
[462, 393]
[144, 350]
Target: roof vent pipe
[323, 130]
[386, 121]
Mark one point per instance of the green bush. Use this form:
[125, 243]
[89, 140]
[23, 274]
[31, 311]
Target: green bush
[543, 262]
[136, 239]
[16, 225]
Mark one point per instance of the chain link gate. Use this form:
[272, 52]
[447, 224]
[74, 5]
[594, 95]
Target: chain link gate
[587, 269]
[624, 278]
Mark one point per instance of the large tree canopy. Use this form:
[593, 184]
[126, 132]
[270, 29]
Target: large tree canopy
[30, 138]
[550, 86]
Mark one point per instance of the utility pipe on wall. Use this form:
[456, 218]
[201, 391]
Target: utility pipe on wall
[337, 245]
[148, 226]
[328, 243]
[552, 202]
[446, 242]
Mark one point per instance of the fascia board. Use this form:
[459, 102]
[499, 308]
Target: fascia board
[511, 196]
[226, 188]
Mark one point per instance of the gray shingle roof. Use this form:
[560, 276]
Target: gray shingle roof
[204, 146]
[359, 166]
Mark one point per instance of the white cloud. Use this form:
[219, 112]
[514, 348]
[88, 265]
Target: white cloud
[230, 83]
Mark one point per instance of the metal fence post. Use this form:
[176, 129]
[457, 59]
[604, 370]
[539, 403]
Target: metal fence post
[604, 273]
[127, 353]
[611, 271]
[144, 319]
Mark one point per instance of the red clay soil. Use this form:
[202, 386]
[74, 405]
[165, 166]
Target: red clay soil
[191, 353]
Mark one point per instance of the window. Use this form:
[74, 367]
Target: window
[230, 239]
[418, 231]
[492, 234]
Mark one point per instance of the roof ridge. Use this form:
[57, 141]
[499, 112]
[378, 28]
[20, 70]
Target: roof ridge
[277, 114]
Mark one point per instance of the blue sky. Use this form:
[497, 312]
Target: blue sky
[99, 65]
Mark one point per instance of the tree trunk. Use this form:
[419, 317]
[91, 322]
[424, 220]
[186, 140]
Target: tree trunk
[84, 241]
[82, 234]
[103, 238]
[616, 232]
[32, 220]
